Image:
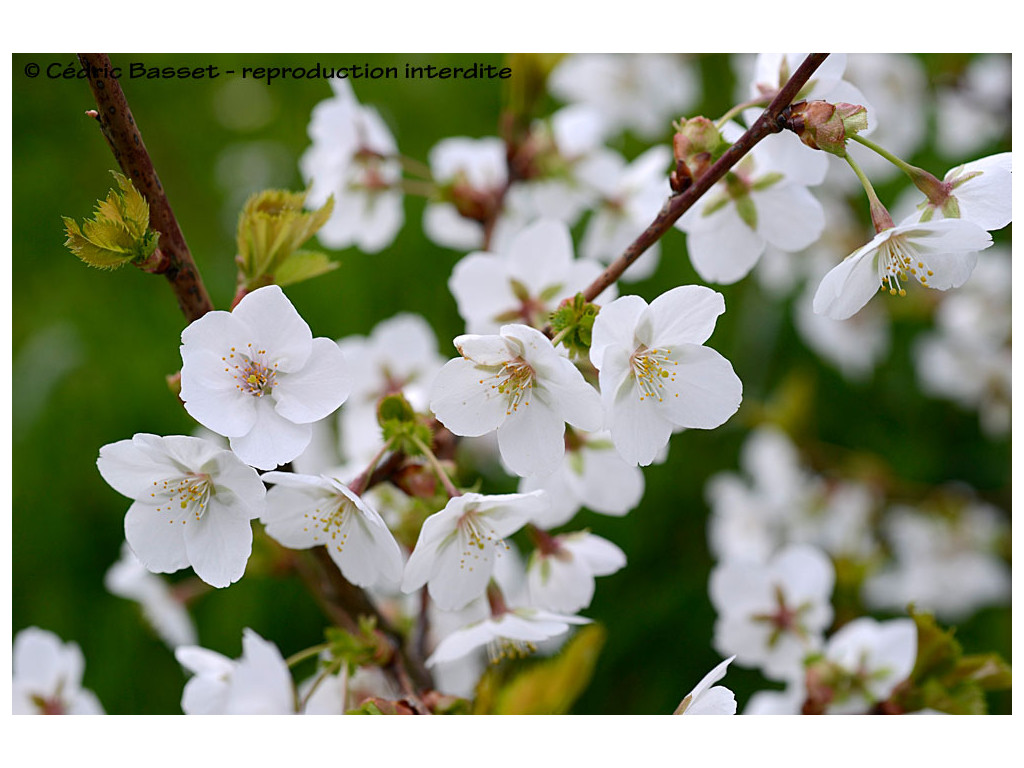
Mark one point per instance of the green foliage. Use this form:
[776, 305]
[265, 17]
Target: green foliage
[548, 687]
[119, 232]
[401, 425]
[363, 648]
[271, 229]
[944, 678]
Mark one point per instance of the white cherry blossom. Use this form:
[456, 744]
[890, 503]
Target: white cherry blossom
[47, 676]
[707, 698]
[354, 158]
[257, 376]
[979, 191]
[472, 171]
[518, 384]
[457, 547]
[772, 615]
[873, 657]
[938, 254]
[192, 504]
[561, 572]
[524, 281]
[258, 683]
[655, 373]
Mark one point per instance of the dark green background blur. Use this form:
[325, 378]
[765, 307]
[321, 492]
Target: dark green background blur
[91, 350]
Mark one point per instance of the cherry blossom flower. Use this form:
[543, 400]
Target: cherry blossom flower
[762, 201]
[257, 376]
[870, 658]
[518, 384]
[655, 373]
[938, 254]
[258, 683]
[707, 698]
[771, 71]
[772, 615]
[641, 92]
[457, 547]
[945, 561]
[630, 197]
[524, 282]
[561, 572]
[303, 511]
[979, 191]
[472, 172]
[166, 613]
[354, 158]
[512, 633]
[592, 475]
[48, 676]
[192, 504]
[399, 355]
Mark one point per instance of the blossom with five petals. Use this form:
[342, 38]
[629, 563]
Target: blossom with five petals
[257, 376]
[48, 676]
[655, 373]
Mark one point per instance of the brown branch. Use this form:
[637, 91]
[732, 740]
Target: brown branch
[172, 259]
[679, 204]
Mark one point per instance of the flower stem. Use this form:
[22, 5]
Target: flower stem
[301, 656]
[122, 134]
[936, 191]
[880, 216]
[446, 481]
[758, 102]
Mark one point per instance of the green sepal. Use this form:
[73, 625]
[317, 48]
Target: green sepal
[367, 647]
[547, 687]
[401, 426]
[119, 231]
[272, 227]
[302, 265]
[573, 324]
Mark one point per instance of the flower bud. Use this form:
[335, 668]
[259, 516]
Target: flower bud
[695, 145]
[825, 126]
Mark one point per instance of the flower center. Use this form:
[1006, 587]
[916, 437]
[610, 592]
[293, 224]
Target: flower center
[651, 369]
[189, 493]
[474, 536]
[507, 648]
[252, 373]
[515, 383]
[896, 260]
[329, 520]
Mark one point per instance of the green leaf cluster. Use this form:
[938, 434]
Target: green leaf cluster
[271, 228]
[118, 233]
[367, 647]
[402, 427]
[944, 678]
[573, 325]
[548, 687]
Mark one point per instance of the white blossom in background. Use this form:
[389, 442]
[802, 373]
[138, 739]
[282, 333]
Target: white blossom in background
[639, 92]
[560, 574]
[974, 111]
[772, 615]
[47, 676]
[337, 693]
[630, 196]
[257, 376]
[192, 504]
[399, 355]
[518, 384]
[474, 171]
[167, 614]
[707, 698]
[354, 158]
[763, 200]
[457, 547]
[967, 357]
[592, 474]
[938, 254]
[655, 373]
[524, 282]
[777, 501]
[788, 701]
[944, 561]
[771, 71]
[304, 511]
[872, 658]
[258, 683]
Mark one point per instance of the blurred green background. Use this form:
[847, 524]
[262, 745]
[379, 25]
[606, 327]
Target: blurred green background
[91, 350]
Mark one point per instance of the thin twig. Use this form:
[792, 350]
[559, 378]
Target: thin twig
[172, 259]
[677, 205]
